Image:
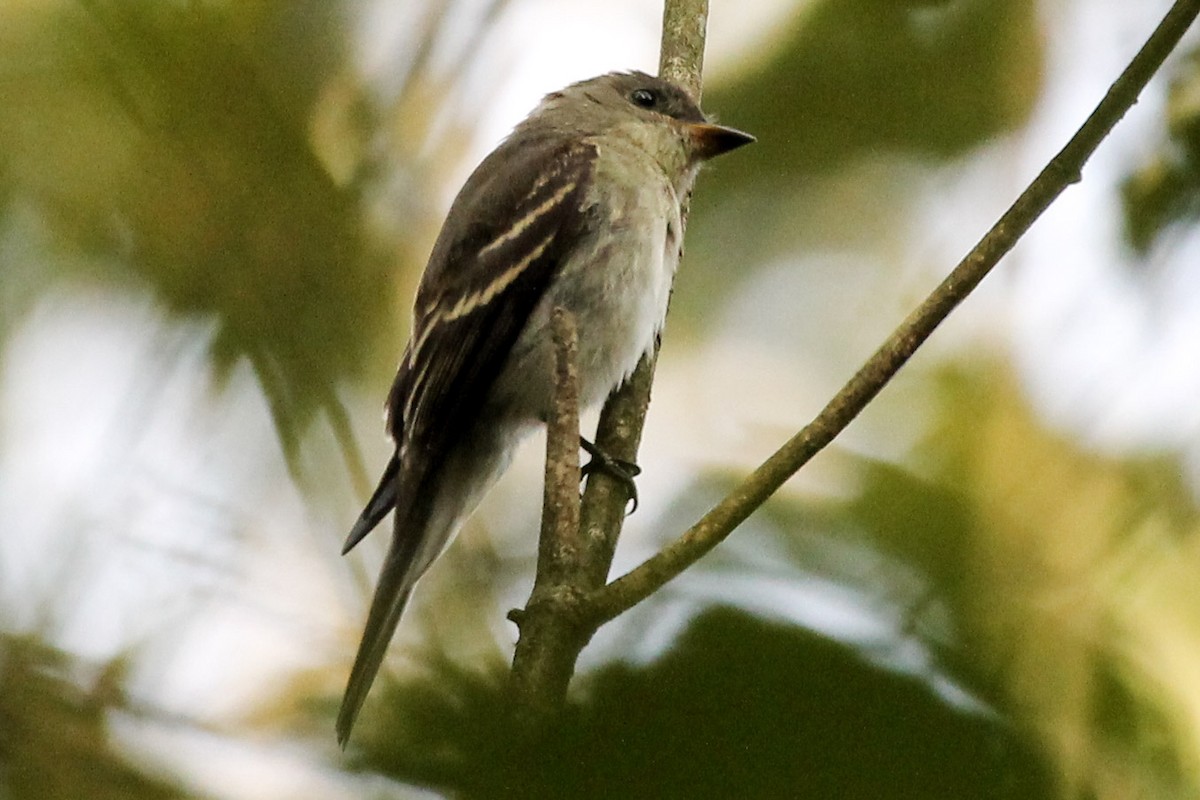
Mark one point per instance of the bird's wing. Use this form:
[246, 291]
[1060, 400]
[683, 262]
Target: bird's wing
[512, 225]
[519, 225]
[516, 224]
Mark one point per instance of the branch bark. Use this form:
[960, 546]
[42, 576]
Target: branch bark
[577, 542]
[1063, 170]
[619, 432]
[551, 636]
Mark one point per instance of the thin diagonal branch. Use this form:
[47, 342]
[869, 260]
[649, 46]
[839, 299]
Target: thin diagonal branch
[1063, 170]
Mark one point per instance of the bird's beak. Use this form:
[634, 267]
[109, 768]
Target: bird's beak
[711, 140]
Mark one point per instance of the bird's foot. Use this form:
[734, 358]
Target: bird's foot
[618, 468]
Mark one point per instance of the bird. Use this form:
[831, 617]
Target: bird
[579, 208]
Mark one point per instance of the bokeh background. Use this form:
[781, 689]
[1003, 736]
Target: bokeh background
[213, 214]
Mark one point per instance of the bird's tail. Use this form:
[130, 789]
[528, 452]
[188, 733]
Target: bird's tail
[381, 502]
[391, 595]
[429, 510]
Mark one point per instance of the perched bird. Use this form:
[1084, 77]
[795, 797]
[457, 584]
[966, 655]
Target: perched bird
[580, 208]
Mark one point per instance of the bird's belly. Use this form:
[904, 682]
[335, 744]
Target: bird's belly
[617, 290]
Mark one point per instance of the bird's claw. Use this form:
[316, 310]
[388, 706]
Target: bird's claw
[618, 468]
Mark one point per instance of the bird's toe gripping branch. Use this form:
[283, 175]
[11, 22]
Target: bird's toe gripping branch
[618, 468]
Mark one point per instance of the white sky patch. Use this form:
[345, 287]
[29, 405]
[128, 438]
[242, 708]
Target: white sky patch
[1110, 351]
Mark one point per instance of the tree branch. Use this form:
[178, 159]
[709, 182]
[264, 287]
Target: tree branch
[577, 542]
[551, 636]
[619, 432]
[1064, 169]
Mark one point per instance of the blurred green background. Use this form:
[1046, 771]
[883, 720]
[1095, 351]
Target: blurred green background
[212, 218]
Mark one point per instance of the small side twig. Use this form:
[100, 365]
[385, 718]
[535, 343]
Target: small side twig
[1063, 170]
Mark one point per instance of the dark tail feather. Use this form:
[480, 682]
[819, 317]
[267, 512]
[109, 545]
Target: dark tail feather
[381, 624]
[395, 585]
[383, 501]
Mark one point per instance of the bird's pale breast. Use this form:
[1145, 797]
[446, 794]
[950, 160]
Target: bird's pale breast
[616, 284]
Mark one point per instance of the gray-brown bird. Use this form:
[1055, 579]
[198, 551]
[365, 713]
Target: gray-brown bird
[579, 207]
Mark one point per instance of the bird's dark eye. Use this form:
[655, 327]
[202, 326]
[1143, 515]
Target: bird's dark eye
[646, 98]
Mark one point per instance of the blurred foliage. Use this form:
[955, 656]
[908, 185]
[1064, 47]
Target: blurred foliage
[1063, 573]
[1053, 584]
[739, 707]
[1166, 191]
[854, 79]
[54, 740]
[167, 143]
[872, 76]
[1091, 561]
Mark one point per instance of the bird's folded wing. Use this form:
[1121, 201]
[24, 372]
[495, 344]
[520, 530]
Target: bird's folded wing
[513, 224]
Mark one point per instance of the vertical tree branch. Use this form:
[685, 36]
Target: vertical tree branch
[577, 544]
[559, 544]
[551, 637]
[619, 432]
[681, 59]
